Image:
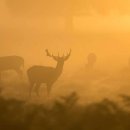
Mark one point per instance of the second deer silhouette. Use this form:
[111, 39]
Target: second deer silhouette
[44, 74]
[11, 63]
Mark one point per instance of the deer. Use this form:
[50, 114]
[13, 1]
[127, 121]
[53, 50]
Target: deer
[44, 74]
[11, 63]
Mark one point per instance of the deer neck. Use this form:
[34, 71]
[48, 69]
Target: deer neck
[59, 68]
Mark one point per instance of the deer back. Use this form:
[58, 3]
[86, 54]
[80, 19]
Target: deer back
[11, 62]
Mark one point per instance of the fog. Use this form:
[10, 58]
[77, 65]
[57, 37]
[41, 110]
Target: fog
[28, 27]
[64, 64]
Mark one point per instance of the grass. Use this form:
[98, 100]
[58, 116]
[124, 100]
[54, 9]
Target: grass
[64, 114]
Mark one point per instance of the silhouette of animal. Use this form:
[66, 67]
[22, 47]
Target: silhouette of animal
[11, 63]
[44, 74]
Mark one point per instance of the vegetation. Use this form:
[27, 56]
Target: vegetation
[64, 114]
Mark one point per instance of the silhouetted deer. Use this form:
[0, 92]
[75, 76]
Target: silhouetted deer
[44, 74]
[11, 63]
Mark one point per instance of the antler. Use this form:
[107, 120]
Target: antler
[47, 53]
[57, 57]
[51, 55]
[67, 56]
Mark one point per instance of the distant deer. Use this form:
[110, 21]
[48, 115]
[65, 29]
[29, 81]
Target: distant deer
[11, 63]
[44, 74]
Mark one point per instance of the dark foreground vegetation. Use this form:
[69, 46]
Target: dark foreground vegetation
[64, 114]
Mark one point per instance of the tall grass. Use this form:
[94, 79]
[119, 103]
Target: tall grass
[64, 114]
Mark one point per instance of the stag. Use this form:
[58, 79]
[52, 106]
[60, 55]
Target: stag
[11, 63]
[44, 74]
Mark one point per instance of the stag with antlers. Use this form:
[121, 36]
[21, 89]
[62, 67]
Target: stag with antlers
[44, 74]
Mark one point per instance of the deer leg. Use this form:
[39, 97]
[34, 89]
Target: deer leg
[19, 72]
[37, 88]
[49, 88]
[0, 76]
[0, 79]
[31, 87]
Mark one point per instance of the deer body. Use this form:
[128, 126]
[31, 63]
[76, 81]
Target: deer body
[11, 63]
[44, 74]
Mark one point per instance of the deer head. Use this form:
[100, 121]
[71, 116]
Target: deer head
[60, 60]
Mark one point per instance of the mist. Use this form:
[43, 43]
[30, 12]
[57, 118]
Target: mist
[64, 64]
[28, 27]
